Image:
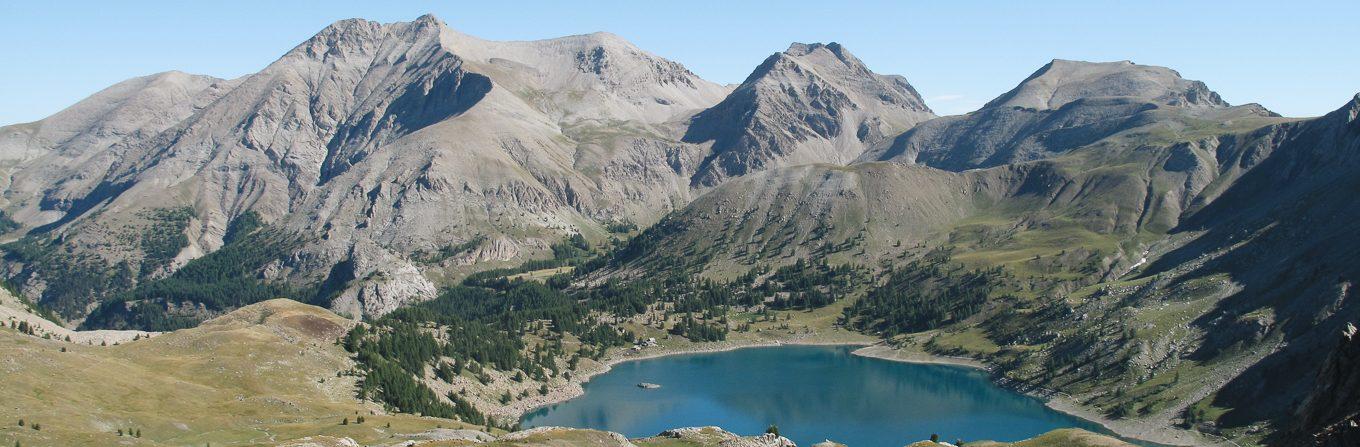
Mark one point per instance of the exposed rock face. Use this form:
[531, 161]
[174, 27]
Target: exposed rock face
[1063, 106]
[715, 436]
[1285, 236]
[454, 435]
[373, 141]
[1062, 82]
[389, 282]
[810, 104]
[555, 435]
[1331, 416]
[62, 160]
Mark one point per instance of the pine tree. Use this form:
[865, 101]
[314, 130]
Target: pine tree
[772, 429]
[139, 433]
[344, 421]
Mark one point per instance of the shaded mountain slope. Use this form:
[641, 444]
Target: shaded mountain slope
[1178, 269]
[1281, 233]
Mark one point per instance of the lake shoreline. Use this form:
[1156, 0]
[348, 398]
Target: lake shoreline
[1062, 403]
[575, 387]
[1138, 430]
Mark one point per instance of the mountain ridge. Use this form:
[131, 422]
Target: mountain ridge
[1156, 252]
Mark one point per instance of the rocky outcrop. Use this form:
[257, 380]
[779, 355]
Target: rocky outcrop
[1331, 415]
[454, 435]
[813, 103]
[715, 436]
[560, 435]
[382, 282]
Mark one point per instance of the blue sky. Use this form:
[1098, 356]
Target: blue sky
[1299, 58]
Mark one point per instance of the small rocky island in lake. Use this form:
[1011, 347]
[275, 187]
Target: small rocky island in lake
[648, 386]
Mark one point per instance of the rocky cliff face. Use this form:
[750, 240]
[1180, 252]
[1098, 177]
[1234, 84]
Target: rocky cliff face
[1330, 416]
[374, 143]
[810, 104]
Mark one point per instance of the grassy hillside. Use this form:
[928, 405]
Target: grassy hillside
[267, 373]
[1156, 277]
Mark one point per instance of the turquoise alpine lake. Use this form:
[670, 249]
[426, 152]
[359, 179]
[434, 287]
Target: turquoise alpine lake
[812, 393]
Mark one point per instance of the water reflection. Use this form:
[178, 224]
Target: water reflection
[811, 392]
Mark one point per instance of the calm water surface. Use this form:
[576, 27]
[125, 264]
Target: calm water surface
[812, 392]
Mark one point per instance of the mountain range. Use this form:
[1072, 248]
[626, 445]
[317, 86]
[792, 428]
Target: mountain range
[1167, 258]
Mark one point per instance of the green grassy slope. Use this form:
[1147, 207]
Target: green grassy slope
[1134, 264]
[264, 374]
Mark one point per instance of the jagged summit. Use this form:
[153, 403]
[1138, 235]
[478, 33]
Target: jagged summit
[364, 134]
[802, 49]
[1352, 109]
[813, 103]
[1062, 81]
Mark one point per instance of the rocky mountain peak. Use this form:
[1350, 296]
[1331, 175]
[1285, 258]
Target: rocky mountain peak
[1063, 81]
[836, 67]
[354, 35]
[799, 49]
[813, 103]
[1353, 109]
[588, 77]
